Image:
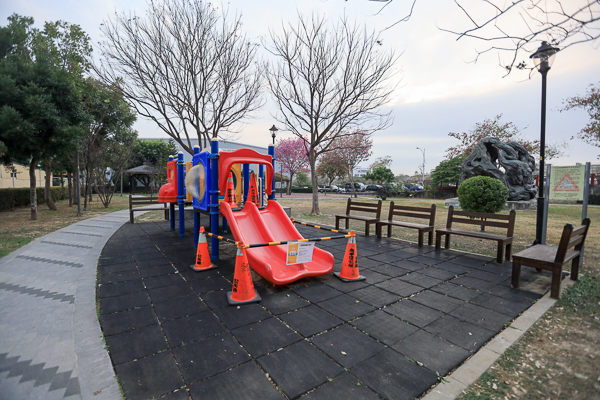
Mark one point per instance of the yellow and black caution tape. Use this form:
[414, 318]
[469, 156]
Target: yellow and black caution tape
[318, 227]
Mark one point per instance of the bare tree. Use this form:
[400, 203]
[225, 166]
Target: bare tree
[327, 79]
[519, 26]
[184, 67]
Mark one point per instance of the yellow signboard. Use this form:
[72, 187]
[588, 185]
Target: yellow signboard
[567, 183]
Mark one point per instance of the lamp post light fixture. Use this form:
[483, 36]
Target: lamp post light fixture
[274, 130]
[543, 59]
[423, 167]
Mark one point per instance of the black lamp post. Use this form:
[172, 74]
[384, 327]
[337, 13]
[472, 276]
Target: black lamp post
[543, 59]
[274, 130]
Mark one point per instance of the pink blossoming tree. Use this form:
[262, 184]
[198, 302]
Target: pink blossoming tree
[291, 154]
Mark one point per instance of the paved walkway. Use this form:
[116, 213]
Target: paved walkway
[51, 345]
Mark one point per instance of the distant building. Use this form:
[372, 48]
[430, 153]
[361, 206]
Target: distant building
[20, 178]
[360, 172]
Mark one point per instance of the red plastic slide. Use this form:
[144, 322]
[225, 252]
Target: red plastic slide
[273, 225]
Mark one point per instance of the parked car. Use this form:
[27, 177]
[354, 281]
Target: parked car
[358, 187]
[332, 188]
[373, 187]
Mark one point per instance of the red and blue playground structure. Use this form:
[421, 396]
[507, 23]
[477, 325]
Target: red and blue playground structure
[264, 228]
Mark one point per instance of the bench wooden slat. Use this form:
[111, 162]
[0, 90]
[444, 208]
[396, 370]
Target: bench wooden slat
[481, 215]
[369, 210]
[137, 203]
[482, 235]
[480, 222]
[412, 215]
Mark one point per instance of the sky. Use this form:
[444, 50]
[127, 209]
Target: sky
[439, 89]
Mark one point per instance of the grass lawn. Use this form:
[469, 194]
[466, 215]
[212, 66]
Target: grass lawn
[559, 358]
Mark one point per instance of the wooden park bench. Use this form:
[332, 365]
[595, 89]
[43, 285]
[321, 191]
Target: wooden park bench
[552, 258]
[483, 220]
[370, 208]
[413, 212]
[143, 201]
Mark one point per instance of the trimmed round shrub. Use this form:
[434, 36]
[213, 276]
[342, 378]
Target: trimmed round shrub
[482, 194]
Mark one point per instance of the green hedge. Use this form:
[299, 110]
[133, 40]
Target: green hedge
[12, 198]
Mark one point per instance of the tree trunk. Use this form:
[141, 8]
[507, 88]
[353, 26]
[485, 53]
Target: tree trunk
[313, 177]
[70, 186]
[32, 193]
[47, 194]
[289, 186]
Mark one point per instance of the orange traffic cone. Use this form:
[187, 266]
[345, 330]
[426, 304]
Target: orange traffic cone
[203, 262]
[253, 191]
[230, 192]
[349, 272]
[243, 288]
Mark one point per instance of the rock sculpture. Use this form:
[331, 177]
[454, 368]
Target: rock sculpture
[509, 162]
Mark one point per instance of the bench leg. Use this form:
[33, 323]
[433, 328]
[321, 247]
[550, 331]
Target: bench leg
[347, 223]
[337, 224]
[575, 268]
[516, 273]
[500, 254]
[378, 231]
[367, 226]
[389, 231]
[555, 288]
[438, 241]
[430, 239]
[131, 215]
[420, 238]
[508, 251]
[447, 244]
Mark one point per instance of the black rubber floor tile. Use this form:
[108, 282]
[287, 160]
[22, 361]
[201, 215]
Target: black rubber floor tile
[149, 377]
[487, 276]
[386, 258]
[507, 292]
[215, 299]
[192, 328]
[346, 307]
[147, 253]
[441, 255]
[414, 313]
[311, 320]
[375, 296]
[208, 357]
[419, 279]
[121, 288]
[472, 260]
[393, 376]
[373, 277]
[502, 305]
[155, 282]
[157, 271]
[167, 293]
[136, 344]
[110, 305]
[316, 292]
[234, 317]
[110, 269]
[265, 337]
[299, 368]
[434, 352]
[456, 291]
[211, 284]
[367, 263]
[473, 283]
[409, 265]
[462, 333]
[399, 287]
[389, 270]
[178, 308]
[180, 394]
[347, 346]
[243, 382]
[421, 259]
[345, 287]
[495, 268]
[283, 302]
[186, 272]
[121, 259]
[438, 273]
[480, 316]
[344, 386]
[437, 301]
[384, 327]
[457, 269]
[124, 321]
[152, 262]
